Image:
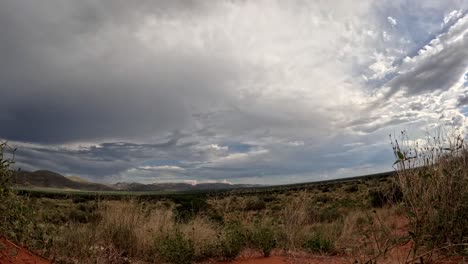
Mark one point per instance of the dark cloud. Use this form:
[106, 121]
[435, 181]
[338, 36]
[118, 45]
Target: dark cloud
[462, 101]
[99, 161]
[438, 72]
[76, 72]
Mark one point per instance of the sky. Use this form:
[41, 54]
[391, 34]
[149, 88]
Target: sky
[241, 91]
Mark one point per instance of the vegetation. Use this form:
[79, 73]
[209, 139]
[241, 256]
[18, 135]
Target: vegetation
[319, 244]
[15, 214]
[424, 206]
[263, 236]
[433, 178]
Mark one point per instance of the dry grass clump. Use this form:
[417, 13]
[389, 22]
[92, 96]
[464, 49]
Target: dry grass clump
[294, 225]
[433, 177]
[124, 230]
[371, 236]
[131, 226]
[204, 234]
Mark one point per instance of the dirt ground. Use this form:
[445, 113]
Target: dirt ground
[290, 260]
[13, 254]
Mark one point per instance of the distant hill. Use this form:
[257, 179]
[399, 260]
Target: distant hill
[77, 179]
[177, 186]
[50, 179]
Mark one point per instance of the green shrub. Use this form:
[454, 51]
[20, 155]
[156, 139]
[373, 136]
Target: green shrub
[385, 196]
[269, 198]
[263, 237]
[318, 243]
[352, 189]
[328, 215]
[176, 248]
[188, 206]
[15, 216]
[376, 198]
[323, 199]
[233, 240]
[78, 216]
[255, 204]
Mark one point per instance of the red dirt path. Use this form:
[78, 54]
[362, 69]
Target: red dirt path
[13, 254]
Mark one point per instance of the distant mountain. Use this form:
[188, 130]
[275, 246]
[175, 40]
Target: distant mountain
[50, 179]
[77, 179]
[177, 186]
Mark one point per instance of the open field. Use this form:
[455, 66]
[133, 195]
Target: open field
[74, 226]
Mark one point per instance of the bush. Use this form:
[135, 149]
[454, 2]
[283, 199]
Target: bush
[75, 241]
[255, 204]
[318, 243]
[377, 198]
[434, 184]
[352, 189]
[327, 215]
[380, 197]
[233, 240]
[176, 249]
[188, 206]
[124, 239]
[78, 216]
[263, 237]
[15, 216]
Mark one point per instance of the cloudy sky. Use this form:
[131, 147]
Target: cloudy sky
[260, 91]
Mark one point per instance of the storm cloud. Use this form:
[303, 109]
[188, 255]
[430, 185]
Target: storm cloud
[248, 91]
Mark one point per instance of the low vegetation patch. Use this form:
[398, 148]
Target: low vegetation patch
[318, 243]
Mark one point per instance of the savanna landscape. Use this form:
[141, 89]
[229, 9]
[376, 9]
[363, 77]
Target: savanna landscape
[416, 214]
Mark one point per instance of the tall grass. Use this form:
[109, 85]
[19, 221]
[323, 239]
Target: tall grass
[294, 218]
[433, 177]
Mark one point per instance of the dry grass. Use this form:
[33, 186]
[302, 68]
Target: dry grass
[131, 227]
[433, 178]
[204, 234]
[295, 221]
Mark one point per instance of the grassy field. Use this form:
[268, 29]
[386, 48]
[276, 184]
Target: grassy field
[73, 226]
[421, 208]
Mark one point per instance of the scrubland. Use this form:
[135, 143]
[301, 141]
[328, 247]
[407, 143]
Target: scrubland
[420, 211]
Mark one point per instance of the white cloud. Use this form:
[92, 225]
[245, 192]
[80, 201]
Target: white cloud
[392, 21]
[162, 167]
[382, 66]
[452, 16]
[296, 143]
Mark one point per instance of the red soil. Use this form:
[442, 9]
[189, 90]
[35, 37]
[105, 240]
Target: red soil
[13, 254]
[279, 257]
[290, 260]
